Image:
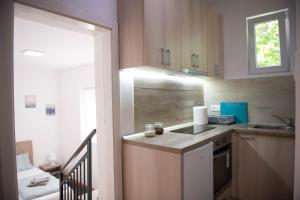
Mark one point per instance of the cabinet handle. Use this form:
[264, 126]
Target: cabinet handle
[227, 160]
[162, 50]
[168, 57]
[247, 137]
[216, 70]
[197, 60]
[193, 60]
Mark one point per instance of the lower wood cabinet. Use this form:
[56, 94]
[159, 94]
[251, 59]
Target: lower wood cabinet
[264, 167]
[152, 174]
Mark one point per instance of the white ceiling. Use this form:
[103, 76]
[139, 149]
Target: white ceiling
[64, 48]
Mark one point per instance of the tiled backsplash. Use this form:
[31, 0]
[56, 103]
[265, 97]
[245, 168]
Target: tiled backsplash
[266, 96]
[170, 102]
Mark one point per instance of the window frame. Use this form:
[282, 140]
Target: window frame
[283, 22]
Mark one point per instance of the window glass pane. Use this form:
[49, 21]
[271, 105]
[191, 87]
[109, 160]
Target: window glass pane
[267, 44]
[88, 112]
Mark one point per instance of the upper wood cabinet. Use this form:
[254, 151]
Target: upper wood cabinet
[170, 34]
[214, 39]
[265, 167]
[149, 33]
[193, 35]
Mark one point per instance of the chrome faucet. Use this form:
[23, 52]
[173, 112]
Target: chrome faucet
[290, 122]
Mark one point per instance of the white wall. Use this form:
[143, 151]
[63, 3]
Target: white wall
[234, 14]
[72, 81]
[32, 123]
[59, 133]
[101, 12]
[297, 78]
[126, 103]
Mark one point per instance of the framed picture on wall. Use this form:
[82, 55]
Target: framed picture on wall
[30, 101]
[50, 110]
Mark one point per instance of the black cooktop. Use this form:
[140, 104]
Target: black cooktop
[196, 129]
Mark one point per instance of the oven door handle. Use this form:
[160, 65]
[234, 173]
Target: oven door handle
[227, 157]
[222, 154]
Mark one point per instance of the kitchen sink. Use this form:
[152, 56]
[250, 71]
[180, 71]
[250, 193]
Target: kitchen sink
[273, 127]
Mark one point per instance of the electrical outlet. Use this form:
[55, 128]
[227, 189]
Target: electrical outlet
[215, 108]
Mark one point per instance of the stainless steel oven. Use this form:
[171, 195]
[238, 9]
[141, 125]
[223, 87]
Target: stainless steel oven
[222, 163]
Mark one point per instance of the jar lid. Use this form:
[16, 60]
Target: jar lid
[158, 124]
[148, 126]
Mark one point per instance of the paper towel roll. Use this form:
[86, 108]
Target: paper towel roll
[200, 115]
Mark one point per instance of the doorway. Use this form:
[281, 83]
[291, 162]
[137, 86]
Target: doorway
[58, 82]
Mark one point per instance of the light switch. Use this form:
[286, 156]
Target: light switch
[215, 108]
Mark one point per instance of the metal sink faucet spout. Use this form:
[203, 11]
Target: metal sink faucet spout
[289, 123]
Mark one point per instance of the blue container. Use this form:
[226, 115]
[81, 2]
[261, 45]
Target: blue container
[238, 109]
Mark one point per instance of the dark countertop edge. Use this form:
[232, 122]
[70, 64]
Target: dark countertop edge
[200, 143]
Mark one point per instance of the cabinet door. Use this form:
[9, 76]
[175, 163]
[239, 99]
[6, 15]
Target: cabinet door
[219, 46]
[265, 166]
[215, 50]
[187, 21]
[172, 34]
[200, 35]
[198, 173]
[193, 34]
[154, 33]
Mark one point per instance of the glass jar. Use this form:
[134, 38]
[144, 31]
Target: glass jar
[159, 128]
[149, 130]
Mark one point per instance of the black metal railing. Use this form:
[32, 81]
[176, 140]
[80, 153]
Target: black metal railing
[76, 175]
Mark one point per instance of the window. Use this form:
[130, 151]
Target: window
[88, 112]
[268, 43]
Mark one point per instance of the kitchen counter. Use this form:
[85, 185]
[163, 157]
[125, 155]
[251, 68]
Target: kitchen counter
[181, 143]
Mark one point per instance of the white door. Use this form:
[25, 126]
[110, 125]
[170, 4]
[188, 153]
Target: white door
[198, 174]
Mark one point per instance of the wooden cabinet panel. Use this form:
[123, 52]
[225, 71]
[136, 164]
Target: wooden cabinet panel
[172, 34]
[215, 52]
[154, 33]
[187, 21]
[193, 45]
[131, 33]
[151, 174]
[200, 35]
[265, 167]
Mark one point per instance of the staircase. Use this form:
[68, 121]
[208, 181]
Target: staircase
[76, 175]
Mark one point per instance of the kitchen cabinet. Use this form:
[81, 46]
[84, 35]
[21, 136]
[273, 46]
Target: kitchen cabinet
[193, 35]
[171, 35]
[155, 174]
[214, 39]
[265, 167]
[149, 33]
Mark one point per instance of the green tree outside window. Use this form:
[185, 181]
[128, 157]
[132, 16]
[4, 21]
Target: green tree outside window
[267, 44]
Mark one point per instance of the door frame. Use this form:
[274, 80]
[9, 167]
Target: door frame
[107, 78]
[8, 170]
